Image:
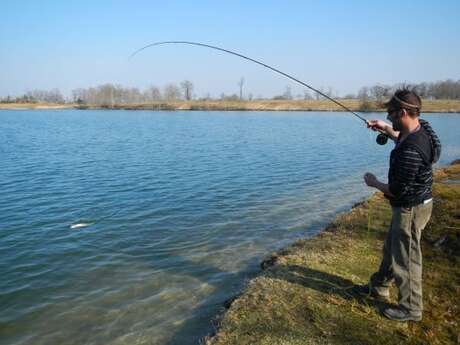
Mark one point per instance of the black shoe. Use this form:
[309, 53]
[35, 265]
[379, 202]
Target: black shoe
[365, 290]
[400, 314]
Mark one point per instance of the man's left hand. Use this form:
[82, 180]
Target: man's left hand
[370, 179]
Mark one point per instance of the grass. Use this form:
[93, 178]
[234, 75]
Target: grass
[303, 296]
[283, 105]
[35, 106]
[255, 105]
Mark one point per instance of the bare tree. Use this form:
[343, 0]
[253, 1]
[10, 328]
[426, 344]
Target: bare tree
[153, 93]
[78, 95]
[187, 88]
[171, 92]
[287, 93]
[378, 92]
[105, 94]
[307, 95]
[422, 90]
[109, 95]
[363, 96]
[363, 93]
[50, 96]
[240, 85]
[318, 96]
[135, 96]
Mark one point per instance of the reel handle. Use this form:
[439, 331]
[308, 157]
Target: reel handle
[382, 137]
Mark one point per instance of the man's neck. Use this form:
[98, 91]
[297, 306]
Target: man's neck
[411, 127]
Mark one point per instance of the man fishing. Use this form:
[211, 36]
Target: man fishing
[409, 190]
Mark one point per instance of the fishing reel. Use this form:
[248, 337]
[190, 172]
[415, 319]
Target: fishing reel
[381, 139]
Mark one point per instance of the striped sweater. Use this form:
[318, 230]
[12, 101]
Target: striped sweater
[410, 176]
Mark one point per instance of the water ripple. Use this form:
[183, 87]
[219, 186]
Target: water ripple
[183, 206]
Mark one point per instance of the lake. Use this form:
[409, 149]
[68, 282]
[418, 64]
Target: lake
[134, 227]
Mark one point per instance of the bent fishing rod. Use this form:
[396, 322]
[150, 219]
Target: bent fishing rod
[381, 138]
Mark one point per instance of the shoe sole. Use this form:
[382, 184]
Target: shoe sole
[408, 318]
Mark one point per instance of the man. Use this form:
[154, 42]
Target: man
[409, 191]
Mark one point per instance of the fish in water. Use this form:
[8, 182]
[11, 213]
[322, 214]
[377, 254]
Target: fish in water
[80, 225]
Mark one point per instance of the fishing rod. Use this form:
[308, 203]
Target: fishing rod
[381, 138]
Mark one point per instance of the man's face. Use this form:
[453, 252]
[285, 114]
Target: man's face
[395, 116]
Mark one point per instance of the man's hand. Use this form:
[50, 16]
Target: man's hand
[377, 125]
[370, 179]
[382, 126]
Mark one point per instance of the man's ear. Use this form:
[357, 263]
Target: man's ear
[404, 112]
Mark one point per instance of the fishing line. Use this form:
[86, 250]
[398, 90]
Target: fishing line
[381, 138]
[257, 62]
[369, 202]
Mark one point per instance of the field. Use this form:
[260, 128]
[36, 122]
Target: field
[441, 106]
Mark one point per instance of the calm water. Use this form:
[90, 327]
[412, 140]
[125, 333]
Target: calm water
[182, 205]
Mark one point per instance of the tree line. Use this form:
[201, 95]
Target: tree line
[446, 89]
[110, 94]
[48, 96]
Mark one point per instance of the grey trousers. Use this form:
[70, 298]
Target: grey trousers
[402, 257]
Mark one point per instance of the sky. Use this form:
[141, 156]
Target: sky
[342, 45]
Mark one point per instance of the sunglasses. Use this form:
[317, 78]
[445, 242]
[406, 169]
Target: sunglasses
[392, 114]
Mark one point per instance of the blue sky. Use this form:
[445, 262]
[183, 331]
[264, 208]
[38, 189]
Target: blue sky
[338, 44]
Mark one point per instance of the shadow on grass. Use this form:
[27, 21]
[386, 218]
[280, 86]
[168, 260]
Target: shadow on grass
[326, 283]
[199, 323]
[193, 330]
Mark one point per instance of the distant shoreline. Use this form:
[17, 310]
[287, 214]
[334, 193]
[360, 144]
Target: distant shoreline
[429, 106]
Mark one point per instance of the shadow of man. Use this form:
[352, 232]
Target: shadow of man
[326, 283]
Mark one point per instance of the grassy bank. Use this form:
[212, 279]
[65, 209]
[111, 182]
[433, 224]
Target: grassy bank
[441, 106]
[303, 295]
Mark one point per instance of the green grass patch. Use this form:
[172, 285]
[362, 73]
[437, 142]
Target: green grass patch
[303, 296]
